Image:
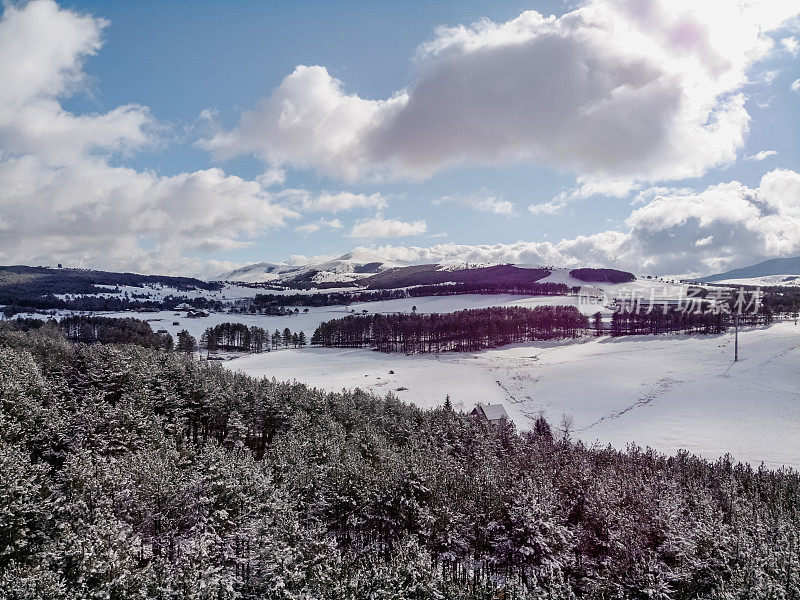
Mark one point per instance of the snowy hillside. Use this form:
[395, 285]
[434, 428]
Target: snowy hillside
[309, 321]
[765, 281]
[668, 392]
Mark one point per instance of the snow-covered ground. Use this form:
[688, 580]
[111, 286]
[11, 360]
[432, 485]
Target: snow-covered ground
[157, 292]
[765, 281]
[668, 392]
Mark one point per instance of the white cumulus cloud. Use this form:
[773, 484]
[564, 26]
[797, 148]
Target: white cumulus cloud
[791, 44]
[759, 156]
[380, 227]
[315, 226]
[325, 201]
[618, 91]
[553, 206]
[483, 202]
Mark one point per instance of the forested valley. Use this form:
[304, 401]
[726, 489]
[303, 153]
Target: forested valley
[132, 472]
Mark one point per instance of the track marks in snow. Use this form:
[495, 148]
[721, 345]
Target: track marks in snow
[661, 386]
[783, 353]
[511, 396]
[524, 404]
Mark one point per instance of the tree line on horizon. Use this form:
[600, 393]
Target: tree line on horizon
[461, 331]
[264, 301]
[84, 329]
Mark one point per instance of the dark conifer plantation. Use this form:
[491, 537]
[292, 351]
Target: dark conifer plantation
[99, 330]
[241, 338]
[655, 321]
[461, 331]
[128, 472]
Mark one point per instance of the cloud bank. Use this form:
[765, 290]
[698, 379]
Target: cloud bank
[677, 232]
[61, 200]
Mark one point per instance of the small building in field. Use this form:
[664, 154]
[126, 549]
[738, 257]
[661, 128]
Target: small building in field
[494, 413]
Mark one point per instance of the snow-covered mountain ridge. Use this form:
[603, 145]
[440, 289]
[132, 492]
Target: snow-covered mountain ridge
[776, 271]
[347, 268]
[367, 267]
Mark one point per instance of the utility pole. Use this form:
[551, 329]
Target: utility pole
[736, 339]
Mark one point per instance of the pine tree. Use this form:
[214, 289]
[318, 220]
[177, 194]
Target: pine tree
[186, 342]
[167, 342]
[276, 339]
[301, 339]
[598, 323]
[541, 428]
[209, 340]
[129, 472]
[286, 338]
[295, 339]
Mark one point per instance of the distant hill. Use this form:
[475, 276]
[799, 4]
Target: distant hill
[24, 280]
[370, 269]
[44, 287]
[433, 274]
[602, 275]
[774, 266]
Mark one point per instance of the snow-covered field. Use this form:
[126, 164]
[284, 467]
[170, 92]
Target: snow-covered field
[157, 292]
[668, 392]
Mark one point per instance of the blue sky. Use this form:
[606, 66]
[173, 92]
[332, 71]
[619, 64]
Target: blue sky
[457, 161]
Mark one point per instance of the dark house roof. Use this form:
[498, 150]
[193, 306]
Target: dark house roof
[490, 412]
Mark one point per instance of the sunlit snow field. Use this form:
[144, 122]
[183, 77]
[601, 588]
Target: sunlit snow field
[668, 392]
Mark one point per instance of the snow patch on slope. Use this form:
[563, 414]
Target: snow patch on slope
[349, 267]
[765, 281]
